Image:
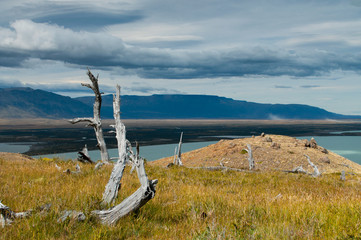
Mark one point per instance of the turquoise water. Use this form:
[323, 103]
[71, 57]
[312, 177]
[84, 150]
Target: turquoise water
[346, 146]
[150, 153]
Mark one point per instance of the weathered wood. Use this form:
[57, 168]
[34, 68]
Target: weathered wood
[134, 201]
[316, 173]
[95, 122]
[178, 157]
[83, 155]
[250, 157]
[216, 168]
[7, 216]
[72, 214]
[343, 176]
[298, 169]
[113, 185]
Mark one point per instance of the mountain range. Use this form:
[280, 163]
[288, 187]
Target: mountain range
[30, 103]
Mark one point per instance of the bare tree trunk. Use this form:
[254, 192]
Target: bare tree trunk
[250, 157]
[113, 185]
[95, 122]
[316, 173]
[178, 157]
[134, 201]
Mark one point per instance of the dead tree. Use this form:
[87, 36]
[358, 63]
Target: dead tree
[95, 122]
[134, 201]
[7, 216]
[83, 155]
[178, 156]
[316, 173]
[250, 157]
[113, 185]
[143, 194]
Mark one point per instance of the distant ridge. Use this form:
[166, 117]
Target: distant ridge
[30, 103]
[178, 106]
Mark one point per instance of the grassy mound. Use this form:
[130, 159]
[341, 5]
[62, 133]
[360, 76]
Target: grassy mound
[271, 152]
[189, 203]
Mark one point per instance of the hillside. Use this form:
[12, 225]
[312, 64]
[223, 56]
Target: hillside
[207, 107]
[188, 204]
[30, 103]
[271, 153]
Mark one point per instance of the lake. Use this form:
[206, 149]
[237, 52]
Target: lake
[346, 146]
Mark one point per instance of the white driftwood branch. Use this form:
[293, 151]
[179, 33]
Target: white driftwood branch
[178, 157]
[130, 204]
[316, 173]
[250, 157]
[113, 185]
[298, 169]
[72, 214]
[7, 216]
[134, 201]
[95, 122]
[343, 176]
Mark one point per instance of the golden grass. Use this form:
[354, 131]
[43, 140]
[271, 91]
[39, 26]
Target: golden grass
[189, 204]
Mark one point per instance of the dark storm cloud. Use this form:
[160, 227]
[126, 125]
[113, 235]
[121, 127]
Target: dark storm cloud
[27, 39]
[89, 19]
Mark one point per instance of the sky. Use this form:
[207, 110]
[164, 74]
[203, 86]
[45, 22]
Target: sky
[279, 51]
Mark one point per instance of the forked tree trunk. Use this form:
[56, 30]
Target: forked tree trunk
[138, 198]
[316, 173]
[113, 185]
[95, 122]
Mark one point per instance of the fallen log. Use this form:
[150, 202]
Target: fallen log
[135, 201]
[7, 216]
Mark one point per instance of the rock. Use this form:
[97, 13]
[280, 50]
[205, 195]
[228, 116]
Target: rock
[263, 134]
[170, 165]
[268, 139]
[311, 144]
[325, 160]
[324, 150]
[276, 145]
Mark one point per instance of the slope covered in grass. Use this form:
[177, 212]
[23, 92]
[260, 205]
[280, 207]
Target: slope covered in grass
[189, 203]
[270, 152]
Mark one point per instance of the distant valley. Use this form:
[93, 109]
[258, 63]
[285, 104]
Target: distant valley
[30, 103]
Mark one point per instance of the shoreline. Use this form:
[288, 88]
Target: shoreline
[55, 136]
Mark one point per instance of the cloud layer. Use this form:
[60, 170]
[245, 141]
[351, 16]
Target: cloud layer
[211, 47]
[26, 39]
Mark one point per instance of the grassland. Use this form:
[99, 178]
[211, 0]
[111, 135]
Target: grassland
[189, 203]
